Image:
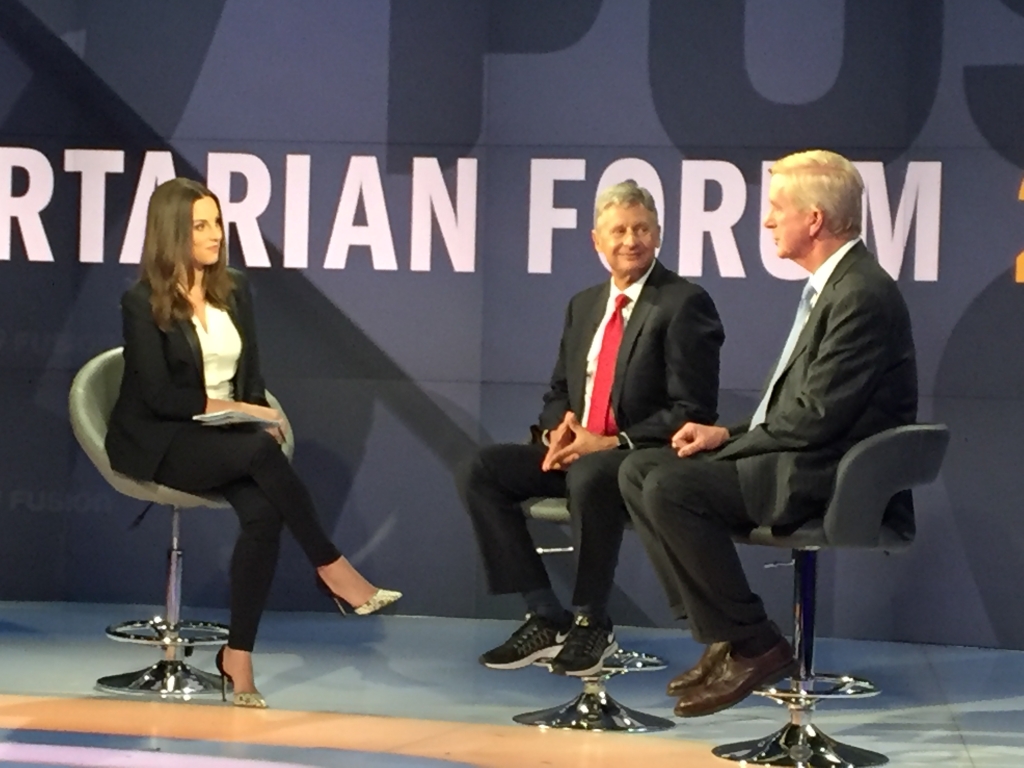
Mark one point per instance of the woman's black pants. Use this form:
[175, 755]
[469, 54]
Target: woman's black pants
[246, 466]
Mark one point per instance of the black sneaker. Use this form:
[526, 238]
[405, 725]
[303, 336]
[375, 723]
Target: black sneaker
[585, 649]
[537, 638]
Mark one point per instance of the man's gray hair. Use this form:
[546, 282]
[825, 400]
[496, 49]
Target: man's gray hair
[819, 178]
[625, 193]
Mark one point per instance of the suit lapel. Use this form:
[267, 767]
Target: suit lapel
[189, 331]
[823, 300]
[590, 328]
[644, 304]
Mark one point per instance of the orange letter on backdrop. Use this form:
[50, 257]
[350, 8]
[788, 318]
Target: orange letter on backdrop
[1019, 272]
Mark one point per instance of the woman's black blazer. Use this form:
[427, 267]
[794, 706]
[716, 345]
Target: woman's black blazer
[163, 385]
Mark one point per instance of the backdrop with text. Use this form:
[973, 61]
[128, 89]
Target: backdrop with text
[410, 187]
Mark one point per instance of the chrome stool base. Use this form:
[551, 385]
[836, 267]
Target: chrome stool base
[799, 743]
[800, 746]
[166, 678]
[170, 677]
[594, 710]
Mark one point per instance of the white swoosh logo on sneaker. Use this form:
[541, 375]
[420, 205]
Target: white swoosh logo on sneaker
[561, 636]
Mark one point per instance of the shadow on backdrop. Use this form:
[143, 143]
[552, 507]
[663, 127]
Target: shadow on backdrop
[979, 393]
[305, 339]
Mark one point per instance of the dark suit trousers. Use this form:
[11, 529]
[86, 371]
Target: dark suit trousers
[498, 478]
[247, 467]
[684, 511]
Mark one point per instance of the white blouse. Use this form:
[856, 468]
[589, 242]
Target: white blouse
[222, 346]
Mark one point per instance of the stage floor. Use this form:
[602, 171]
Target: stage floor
[406, 692]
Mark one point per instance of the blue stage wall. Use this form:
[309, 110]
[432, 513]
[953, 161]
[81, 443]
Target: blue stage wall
[411, 185]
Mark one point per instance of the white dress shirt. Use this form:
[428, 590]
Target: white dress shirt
[221, 346]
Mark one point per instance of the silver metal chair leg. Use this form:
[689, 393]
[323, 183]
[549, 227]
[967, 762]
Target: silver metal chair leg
[799, 744]
[595, 710]
[171, 677]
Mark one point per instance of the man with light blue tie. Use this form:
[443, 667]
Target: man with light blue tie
[846, 371]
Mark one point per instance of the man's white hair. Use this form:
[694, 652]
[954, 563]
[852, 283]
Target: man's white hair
[827, 181]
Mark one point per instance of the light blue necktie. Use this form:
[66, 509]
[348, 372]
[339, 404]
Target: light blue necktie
[802, 311]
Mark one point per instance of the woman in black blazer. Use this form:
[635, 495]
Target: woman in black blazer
[190, 348]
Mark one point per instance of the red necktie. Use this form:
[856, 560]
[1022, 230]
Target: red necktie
[600, 418]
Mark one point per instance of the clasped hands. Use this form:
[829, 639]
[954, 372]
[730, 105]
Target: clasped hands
[570, 440]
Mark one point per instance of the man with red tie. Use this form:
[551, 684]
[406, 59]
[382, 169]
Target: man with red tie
[638, 358]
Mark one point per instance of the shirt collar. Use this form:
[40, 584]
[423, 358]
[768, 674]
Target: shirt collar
[633, 291]
[819, 279]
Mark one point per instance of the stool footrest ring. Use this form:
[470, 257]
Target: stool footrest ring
[156, 631]
[800, 745]
[634, 661]
[804, 693]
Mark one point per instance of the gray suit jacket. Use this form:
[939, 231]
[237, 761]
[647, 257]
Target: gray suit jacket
[852, 374]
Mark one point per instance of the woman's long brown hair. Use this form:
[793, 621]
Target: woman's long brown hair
[167, 253]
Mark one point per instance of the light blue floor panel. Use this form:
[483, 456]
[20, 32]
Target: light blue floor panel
[949, 706]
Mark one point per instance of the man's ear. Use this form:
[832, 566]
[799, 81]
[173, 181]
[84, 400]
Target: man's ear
[816, 221]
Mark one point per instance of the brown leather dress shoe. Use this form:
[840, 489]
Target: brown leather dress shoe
[735, 678]
[713, 655]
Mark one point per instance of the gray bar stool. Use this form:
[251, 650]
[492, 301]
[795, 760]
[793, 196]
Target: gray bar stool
[90, 402]
[874, 476]
[593, 709]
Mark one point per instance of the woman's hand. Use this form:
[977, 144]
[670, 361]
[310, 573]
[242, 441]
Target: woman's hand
[259, 411]
[280, 432]
[262, 412]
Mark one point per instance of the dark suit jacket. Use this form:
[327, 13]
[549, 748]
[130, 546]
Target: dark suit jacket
[667, 370]
[163, 386]
[852, 374]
